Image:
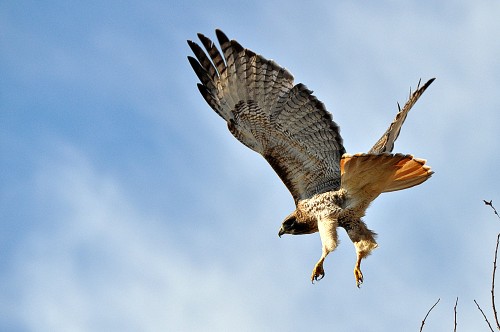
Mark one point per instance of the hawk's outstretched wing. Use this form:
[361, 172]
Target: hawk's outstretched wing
[386, 142]
[265, 111]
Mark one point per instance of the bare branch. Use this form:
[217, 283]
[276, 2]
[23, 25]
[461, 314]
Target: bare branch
[455, 311]
[490, 203]
[493, 284]
[486, 319]
[428, 312]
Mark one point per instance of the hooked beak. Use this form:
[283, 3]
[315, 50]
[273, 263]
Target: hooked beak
[287, 224]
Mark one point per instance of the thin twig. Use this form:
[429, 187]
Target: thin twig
[490, 203]
[428, 312]
[493, 284]
[455, 311]
[486, 319]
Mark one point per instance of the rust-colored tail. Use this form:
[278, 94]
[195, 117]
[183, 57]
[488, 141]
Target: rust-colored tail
[369, 175]
[409, 173]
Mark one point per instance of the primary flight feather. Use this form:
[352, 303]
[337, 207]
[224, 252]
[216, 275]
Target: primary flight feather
[293, 131]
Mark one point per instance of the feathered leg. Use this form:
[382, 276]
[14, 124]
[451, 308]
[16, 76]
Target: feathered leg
[364, 242]
[328, 233]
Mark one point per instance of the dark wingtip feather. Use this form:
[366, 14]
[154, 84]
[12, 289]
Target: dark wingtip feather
[194, 63]
[198, 52]
[209, 98]
[429, 82]
[206, 95]
[425, 86]
[203, 89]
[202, 36]
[221, 36]
[198, 69]
[192, 45]
[207, 43]
[203, 60]
[213, 52]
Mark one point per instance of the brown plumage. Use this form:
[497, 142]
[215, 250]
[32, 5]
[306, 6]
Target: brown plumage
[292, 130]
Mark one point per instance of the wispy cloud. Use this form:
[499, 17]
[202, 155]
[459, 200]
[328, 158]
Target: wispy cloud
[97, 262]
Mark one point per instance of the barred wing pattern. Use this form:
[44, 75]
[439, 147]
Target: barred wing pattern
[386, 142]
[264, 110]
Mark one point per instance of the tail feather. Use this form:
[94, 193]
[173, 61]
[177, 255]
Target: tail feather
[410, 172]
[365, 176]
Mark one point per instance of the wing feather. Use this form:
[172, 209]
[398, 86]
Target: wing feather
[264, 110]
[386, 142]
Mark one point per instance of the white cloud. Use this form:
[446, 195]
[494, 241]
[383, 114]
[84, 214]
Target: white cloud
[98, 263]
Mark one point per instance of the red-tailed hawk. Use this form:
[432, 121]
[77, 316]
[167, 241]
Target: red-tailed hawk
[292, 130]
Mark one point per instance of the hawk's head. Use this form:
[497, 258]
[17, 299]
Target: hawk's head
[297, 224]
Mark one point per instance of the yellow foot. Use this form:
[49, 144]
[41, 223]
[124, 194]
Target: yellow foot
[358, 275]
[318, 273]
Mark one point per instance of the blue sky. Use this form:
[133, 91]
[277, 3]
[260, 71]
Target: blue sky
[125, 204]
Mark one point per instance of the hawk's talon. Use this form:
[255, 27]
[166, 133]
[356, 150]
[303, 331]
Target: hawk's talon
[358, 275]
[318, 273]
